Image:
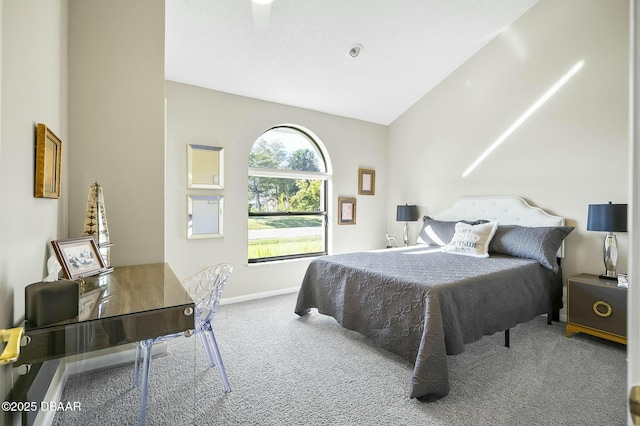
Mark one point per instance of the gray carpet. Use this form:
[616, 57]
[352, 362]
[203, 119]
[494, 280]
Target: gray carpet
[286, 370]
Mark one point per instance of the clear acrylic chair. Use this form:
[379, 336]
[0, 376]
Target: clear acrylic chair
[205, 288]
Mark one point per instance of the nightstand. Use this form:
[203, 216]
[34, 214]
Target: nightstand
[596, 306]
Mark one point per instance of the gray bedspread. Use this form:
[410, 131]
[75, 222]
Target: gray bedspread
[423, 304]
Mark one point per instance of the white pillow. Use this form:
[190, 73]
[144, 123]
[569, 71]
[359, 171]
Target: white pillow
[472, 240]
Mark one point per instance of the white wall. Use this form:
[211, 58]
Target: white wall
[568, 154]
[116, 129]
[196, 115]
[34, 89]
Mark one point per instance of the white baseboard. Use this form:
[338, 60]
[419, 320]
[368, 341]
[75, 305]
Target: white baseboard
[255, 296]
[109, 357]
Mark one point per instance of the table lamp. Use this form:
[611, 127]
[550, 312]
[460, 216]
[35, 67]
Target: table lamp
[608, 218]
[406, 214]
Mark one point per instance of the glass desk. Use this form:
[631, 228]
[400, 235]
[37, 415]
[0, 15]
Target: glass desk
[130, 304]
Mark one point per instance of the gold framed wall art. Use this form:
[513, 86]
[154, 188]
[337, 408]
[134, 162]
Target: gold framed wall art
[346, 211]
[48, 163]
[366, 182]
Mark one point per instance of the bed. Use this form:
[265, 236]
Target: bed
[427, 301]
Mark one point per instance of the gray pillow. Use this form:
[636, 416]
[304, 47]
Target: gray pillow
[539, 243]
[438, 232]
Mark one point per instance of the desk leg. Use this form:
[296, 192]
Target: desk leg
[146, 363]
[136, 367]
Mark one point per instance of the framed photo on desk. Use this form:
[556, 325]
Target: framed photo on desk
[79, 257]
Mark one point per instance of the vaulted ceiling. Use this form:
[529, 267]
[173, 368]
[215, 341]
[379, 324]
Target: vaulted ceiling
[299, 54]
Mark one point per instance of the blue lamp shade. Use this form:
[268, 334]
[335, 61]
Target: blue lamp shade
[607, 217]
[407, 213]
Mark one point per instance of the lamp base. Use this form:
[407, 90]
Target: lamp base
[610, 254]
[608, 277]
[405, 236]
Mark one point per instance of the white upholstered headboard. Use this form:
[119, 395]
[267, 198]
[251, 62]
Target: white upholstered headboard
[505, 210]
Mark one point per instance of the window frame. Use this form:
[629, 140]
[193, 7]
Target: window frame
[296, 174]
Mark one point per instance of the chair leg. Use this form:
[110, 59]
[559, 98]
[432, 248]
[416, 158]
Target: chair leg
[207, 349]
[146, 364]
[216, 351]
[136, 366]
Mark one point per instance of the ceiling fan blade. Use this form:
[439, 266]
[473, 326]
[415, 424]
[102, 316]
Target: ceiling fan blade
[261, 11]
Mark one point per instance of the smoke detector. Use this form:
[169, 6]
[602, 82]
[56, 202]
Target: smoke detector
[355, 50]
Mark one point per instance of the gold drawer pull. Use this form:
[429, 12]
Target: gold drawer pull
[12, 338]
[606, 305]
[634, 404]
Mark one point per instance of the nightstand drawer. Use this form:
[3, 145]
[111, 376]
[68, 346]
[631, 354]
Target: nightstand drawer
[599, 307]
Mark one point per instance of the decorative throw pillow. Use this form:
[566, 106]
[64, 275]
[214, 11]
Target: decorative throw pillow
[539, 243]
[472, 240]
[438, 232]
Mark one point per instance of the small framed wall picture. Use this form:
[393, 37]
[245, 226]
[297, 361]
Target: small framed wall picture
[205, 167]
[204, 216]
[48, 163]
[346, 211]
[79, 257]
[366, 182]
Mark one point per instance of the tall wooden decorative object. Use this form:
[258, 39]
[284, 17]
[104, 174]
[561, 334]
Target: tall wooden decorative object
[95, 223]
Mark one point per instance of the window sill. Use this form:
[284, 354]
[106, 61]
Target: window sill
[272, 262]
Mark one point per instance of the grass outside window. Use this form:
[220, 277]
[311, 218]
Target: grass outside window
[267, 242]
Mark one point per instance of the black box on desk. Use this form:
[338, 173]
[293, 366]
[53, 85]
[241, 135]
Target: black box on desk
[48, 302]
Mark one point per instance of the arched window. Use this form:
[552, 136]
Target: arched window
[287, 196]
